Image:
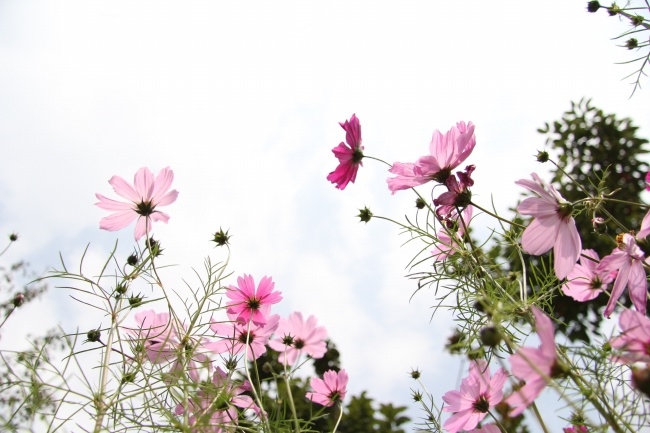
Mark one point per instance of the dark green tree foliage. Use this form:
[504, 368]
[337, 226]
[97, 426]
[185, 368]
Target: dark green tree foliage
[359, 416]
[602, 155]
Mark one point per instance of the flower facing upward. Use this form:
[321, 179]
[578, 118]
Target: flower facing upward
[528, 363]
[584, 282]
[553, 226]
[144, 197]
[349, 156]
[249, 304]
[446, 153]
[634, 341]
[330, 389]
[628, 259]
[478, 394]
[297, 336]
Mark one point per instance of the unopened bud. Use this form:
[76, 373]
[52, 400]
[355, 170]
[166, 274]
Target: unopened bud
[641, 380]
[542, 156]
[593, 6]
[19, 300]
[221, 238]
[132, 260]
[419, 203]
[93, 335]
[631, 43]
[365, 214]
[13, 237]
[491, 336]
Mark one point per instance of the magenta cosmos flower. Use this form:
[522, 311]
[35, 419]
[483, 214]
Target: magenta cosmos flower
[528, 363]
[446, 153]
[144, 197]
[585, 282]
[478, 394]
[249, 303]
[634, 341]
[295, 336]
[214, 408]
[628, 259]
[330, 389]
[349, 155]
[238, 337]
[553, 226]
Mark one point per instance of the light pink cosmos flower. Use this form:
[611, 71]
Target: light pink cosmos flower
[144, 197]
[553, 226]
[330, 389]
[446, 153]
[295, 336]
[214, 407]
[249, 303]
[448, 245]
[628, 259]
[349, 156]
[584, 282]
[634, 341]
[235, 335]
[528, 363]
[162, 343]
[478, 394]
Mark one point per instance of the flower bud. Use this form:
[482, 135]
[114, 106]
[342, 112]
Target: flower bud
[593, 6]
[641, 379]
[135, 301]
[132, 260]
[13, 237]
[221, 238]
[613, 10]
[632, 43]
[491, 336]
[365, 214]
[542, 156]
[637, 20]
[419, 203]
[415, 374]
[93, 335]
[19, 300]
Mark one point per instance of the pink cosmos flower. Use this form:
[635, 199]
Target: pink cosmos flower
[528, 363]
[250, 304]
[214, 407]
[446, 153]
[144, 197]
[297, 336]
[162, 343]
[490, 428]
[628, 259]
[349, 156]
[478, 394]
[330, 389]
[553, 226]
[634, 341]
[235, 335]
[584, 282]
[647, 181]
[448, 245]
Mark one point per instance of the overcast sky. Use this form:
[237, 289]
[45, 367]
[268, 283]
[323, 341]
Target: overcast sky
[242, 100]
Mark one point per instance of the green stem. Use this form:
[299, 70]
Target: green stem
[492, 214]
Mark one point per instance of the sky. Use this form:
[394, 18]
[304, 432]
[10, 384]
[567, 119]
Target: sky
[242, 100]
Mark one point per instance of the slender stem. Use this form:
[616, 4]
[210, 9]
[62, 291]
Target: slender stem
[340, 417]
[539, 417]
[492, 214]
[377, 159]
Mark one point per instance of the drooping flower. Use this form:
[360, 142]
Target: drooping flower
[330, 389]
[349, 155]
[447, 244]
[478, 394]
[213, 409]
[457, 194]
[534, 366]
[162, 342]
[553, 226]
[446, 153]
[144, 197]
[584, 282]
[243, 337]
[295, 336]
[634, 341]
[249, 303]
[628, 259]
